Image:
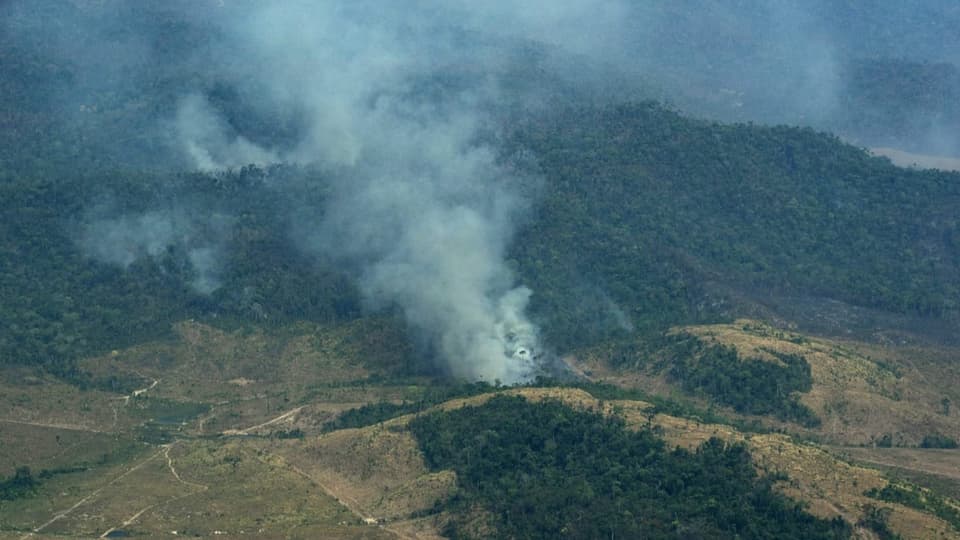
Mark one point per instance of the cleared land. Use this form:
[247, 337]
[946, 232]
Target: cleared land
[222, 435]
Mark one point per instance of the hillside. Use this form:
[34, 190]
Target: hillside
[639, 298]
[699, 217]
[185, 452]
[701, 222]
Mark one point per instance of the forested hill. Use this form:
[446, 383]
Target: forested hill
[646, 219]
[647, 210]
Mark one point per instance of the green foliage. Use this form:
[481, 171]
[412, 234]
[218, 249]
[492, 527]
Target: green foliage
[166, 411]
[154, 433]
[369, 414]
[163, 417]
[885, 441]
[938, 440]
[647, 218]
[24, 483]
[21, 484]
[295, 433]
[548, 471]
[914, 497]
[119, 383]
[59, 304]
[875, 519]
[750, 386]
[644, 219]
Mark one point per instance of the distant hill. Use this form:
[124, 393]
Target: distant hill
[646, 219]
[650, 217]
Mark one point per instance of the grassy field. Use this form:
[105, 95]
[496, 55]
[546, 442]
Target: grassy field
[862, 392]
[201, 444]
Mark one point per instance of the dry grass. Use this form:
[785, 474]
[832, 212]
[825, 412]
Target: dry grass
[251, 380]
[937, 462]
[249, 377]
[237, 490]
[49, 402]
[856, 390]
[206, 364]
[380, 471]
[372, 470]
[51, 448]
[196, 489]
[834, 487]
[324, 485]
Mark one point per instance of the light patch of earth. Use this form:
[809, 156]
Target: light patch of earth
[910, 160]
[935, 461]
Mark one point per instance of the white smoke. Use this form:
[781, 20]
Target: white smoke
[124, 239]
[419, 205]
[208, 141]
[433, 243]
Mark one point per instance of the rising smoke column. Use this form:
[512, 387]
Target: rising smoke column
[420, 206]
[392, 101]
[429, 224]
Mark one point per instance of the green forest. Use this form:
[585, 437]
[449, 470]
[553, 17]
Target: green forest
[691, 210]
[544, 470]
[749, 385]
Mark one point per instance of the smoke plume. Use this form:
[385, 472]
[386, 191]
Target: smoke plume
[421, 206]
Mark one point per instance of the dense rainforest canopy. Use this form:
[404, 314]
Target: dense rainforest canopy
[544, 470]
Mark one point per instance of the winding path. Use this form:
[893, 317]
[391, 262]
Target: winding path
[60, 515]
[173, 471]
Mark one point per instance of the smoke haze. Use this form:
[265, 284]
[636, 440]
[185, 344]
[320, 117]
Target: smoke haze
[121, 239]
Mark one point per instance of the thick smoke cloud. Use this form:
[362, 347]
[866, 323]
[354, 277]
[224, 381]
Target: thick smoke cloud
[421, 205]
[208, 142]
